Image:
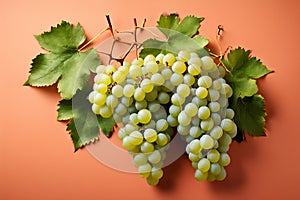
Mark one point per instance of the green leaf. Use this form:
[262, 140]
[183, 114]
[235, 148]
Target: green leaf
[243, 72]
[63, 38]
[249, 107]
[64, 63]
[168, 21]
[46, 69]
[84, 127]
[64, 112]
[189, 25]
[106, 125]
[76, 72]
[180, 35]
[249, 114]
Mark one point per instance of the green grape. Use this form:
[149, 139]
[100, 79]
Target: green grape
[157, 79]
[122, 133]
[151, 96]
[166, 73]
[227, 124]
[154, 106]
[207, 124]
[225, 140]
[176, 79]
[144, 116]
[100, 99]
[207, 63]
[140, 159]
[203, 112]
[188, 79]
[133, 118]
[110, 69]
[128, 90]
[154, 157]
[137, 137]
[156, 173]
[147, 147]
[201, 92]
[193, 157]
[105, 112]
[96, 109]
[224, 159]
[117, 90]
[149, 58]
[174, 110]
[191, 109]
[194, 146]
[183, 90]
[139, 94]
[184, 119]
[152, 181]
[127, 143]
[139, 105]
[169, 59]
[102, 78]
[215, 169]
[183, 55]
[195, 131]
[217, 85]
[200, 176]
[100, 69]
[162, 139]
[151, 67]
[229, 113]
[203, 165]
[177, 100]
[205, 81]
[194, 69]
[183, 130]
[213, 95]
[146, 85]
[213, 155]
[101, 88]
[214, 106]
[206, 142]
[150, 135]
[195, 60]
[222, 175]
[161, 125]
[112, 101]
[135, 71]
[121, 109]
[216, 132]
[159, 58]
[163, 98]
[144, 170]
[179, 67]
[119, 76]
[138, 61]
[172, 121]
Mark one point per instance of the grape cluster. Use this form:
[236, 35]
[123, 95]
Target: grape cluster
[151, 97]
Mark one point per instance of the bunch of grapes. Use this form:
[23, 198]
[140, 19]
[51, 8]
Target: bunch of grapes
[154, 97]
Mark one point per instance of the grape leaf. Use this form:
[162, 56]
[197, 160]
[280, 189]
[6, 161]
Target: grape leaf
[243, 70]
[250, 113]
[179, 36]
[64, 112]
[63, 38]
[64, 62]
[76, 72]
[84, 125]
[106, 125]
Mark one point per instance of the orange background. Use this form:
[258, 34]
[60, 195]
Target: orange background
[36, 153]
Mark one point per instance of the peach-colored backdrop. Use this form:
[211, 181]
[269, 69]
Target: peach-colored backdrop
[36, 153]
